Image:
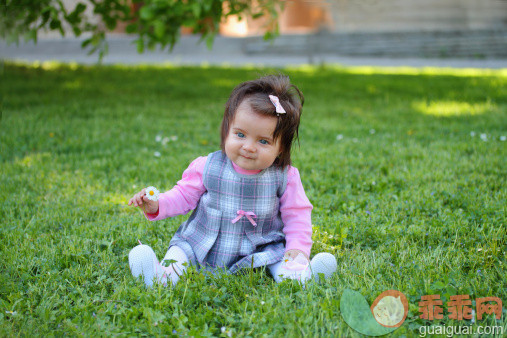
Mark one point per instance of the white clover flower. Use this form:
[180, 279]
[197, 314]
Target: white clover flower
[157, 154]
[472, 133]
[152, 193]
[372, 131]
[339, 137]
[484, 137]
[166, 140]
[158, 138]
[503, 138]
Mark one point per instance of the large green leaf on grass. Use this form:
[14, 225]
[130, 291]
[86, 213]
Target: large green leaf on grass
[357, 314]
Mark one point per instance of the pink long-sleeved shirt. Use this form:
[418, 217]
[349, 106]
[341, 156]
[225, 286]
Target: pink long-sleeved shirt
[295, 207]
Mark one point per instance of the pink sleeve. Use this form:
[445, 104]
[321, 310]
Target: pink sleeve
[296, 212]
[185, 195]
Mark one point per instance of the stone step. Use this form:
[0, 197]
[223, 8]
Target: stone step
[487, 43]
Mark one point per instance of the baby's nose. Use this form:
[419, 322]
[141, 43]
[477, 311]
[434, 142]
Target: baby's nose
[249, 147]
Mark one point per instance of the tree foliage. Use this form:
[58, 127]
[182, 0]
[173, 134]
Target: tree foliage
[155, 22]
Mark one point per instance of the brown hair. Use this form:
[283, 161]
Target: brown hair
[257, 93]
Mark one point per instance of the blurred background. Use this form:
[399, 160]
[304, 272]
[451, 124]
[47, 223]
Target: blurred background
[430, 28]
[317, 30]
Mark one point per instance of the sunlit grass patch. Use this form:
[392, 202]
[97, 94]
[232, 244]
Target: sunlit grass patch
[453, 108]
[431, 71]
[401, 70]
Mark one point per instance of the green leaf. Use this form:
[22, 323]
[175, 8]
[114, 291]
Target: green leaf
[77, 31]
[55, 24]
[168, 262]
[74, 17]
[140, 46]
[209, 41]
[131, 28]
[159, 29]
[110, 23]
[196, 9]
[357, 314]
[45, 16]
[86, 42]
[80, 8]
[152, 44]
[146, 13]
[31, 35]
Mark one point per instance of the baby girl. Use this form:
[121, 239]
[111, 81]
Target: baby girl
[249, 205]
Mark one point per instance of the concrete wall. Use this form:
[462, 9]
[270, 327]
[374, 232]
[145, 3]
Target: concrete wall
[417, 15]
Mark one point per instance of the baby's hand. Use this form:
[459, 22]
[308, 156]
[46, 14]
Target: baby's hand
[295, 265]
[140, 200]
[292, 254]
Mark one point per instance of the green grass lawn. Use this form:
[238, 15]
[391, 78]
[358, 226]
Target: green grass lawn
[406, 169]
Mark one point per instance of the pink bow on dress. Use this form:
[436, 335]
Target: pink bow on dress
[248, 215]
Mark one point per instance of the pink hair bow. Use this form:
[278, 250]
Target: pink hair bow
[248, 215]
[276, 102]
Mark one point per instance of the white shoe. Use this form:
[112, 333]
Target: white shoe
[143, 261]
[324, 263]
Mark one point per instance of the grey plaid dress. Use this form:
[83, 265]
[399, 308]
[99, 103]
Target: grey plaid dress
[210, 238]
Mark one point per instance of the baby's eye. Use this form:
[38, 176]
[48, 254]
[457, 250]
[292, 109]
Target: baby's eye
[240, 134]
[264, 142]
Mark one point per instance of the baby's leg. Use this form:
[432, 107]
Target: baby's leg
[323, 263]
[175, 270]
[143, 262]
[279, 273]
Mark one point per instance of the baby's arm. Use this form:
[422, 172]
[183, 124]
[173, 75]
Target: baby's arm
[296, 211]
[185, 195]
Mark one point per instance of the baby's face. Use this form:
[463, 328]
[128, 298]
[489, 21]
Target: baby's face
[250, 142]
